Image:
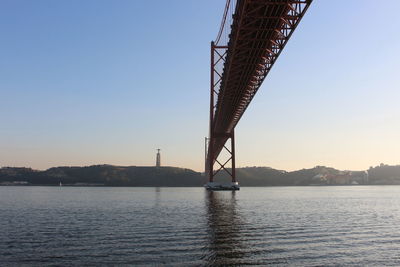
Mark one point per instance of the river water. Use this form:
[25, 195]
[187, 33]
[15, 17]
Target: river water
[299, 226]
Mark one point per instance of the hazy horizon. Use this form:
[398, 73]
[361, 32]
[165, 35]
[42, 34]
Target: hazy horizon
[86, 83]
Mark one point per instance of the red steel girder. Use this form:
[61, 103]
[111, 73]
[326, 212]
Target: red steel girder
[259, 31]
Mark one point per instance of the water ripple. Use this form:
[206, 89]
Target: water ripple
[315, 226]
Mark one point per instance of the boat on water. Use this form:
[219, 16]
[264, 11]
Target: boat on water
[213, 186]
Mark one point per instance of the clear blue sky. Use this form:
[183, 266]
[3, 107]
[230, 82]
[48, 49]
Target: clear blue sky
[93, 82]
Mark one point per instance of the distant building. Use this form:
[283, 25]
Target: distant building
[158, 158]
[360, 177]
[340, 179]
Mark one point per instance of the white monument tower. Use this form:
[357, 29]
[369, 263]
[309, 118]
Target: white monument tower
[158, 158]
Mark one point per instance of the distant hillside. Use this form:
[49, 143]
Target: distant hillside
[105, 175]
[265, 176]
[384, 174]
[109, 175]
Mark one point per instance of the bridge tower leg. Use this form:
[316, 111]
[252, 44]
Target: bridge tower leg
[233, 176]
[212, 161]
[218, 54]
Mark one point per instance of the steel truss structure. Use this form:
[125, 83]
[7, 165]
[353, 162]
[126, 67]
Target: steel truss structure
[259, 31]
[218, 55]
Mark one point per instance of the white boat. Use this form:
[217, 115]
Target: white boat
[221, 187]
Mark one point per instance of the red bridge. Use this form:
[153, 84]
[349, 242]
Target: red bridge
[252, 35]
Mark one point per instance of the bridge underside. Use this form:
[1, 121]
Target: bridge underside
[259, 31]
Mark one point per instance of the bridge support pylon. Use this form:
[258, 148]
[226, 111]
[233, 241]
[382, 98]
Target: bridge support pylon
[218, 55]
[214, 165]
[222, 166]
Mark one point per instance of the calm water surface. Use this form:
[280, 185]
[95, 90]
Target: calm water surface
[302, 226]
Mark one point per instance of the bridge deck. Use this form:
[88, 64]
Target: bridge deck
[259, 32]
